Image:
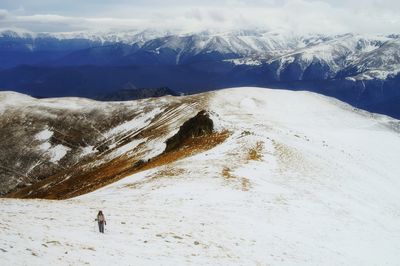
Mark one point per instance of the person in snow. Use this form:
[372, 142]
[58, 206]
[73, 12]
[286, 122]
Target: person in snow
[101, 220]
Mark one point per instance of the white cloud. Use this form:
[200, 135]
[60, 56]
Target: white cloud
[324, 16]
[3, 14]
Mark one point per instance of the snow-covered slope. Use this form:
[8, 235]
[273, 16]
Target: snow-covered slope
[60, 136]
[302, 179]
[336, 53]
[379, 63]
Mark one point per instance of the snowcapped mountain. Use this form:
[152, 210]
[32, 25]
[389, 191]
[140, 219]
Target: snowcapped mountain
[283, 178]
[375, 56]
[378, 63]
[362, 70]
[329, 56]
[127, 37]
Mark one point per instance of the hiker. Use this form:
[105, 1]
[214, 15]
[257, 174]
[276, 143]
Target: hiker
[101, 221]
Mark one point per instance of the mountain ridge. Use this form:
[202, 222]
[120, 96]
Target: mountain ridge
[66, 134]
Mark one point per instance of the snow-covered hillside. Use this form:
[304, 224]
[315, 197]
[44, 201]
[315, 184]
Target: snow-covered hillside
[67, 137]
[302, 179]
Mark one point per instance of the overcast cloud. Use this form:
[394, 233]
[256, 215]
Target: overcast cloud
[323, 16]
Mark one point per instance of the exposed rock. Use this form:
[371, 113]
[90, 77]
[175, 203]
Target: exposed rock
[197, 126]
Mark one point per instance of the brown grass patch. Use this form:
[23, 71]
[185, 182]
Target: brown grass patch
[167, 171]
[226, 173]
[242, 183]
[290, 159]
[170, 171]
[255, 153]
[245, 184]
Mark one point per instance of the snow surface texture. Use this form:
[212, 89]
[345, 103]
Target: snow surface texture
[303, 179]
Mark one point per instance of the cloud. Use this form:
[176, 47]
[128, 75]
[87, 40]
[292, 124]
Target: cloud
[3, 14]
[322, 16]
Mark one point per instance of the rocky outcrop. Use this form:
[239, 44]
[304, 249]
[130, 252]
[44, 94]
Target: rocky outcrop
[197, 126]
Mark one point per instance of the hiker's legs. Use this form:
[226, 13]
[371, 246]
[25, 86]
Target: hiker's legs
[100, 227]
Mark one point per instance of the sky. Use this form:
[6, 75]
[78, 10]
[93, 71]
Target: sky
[304, 16]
